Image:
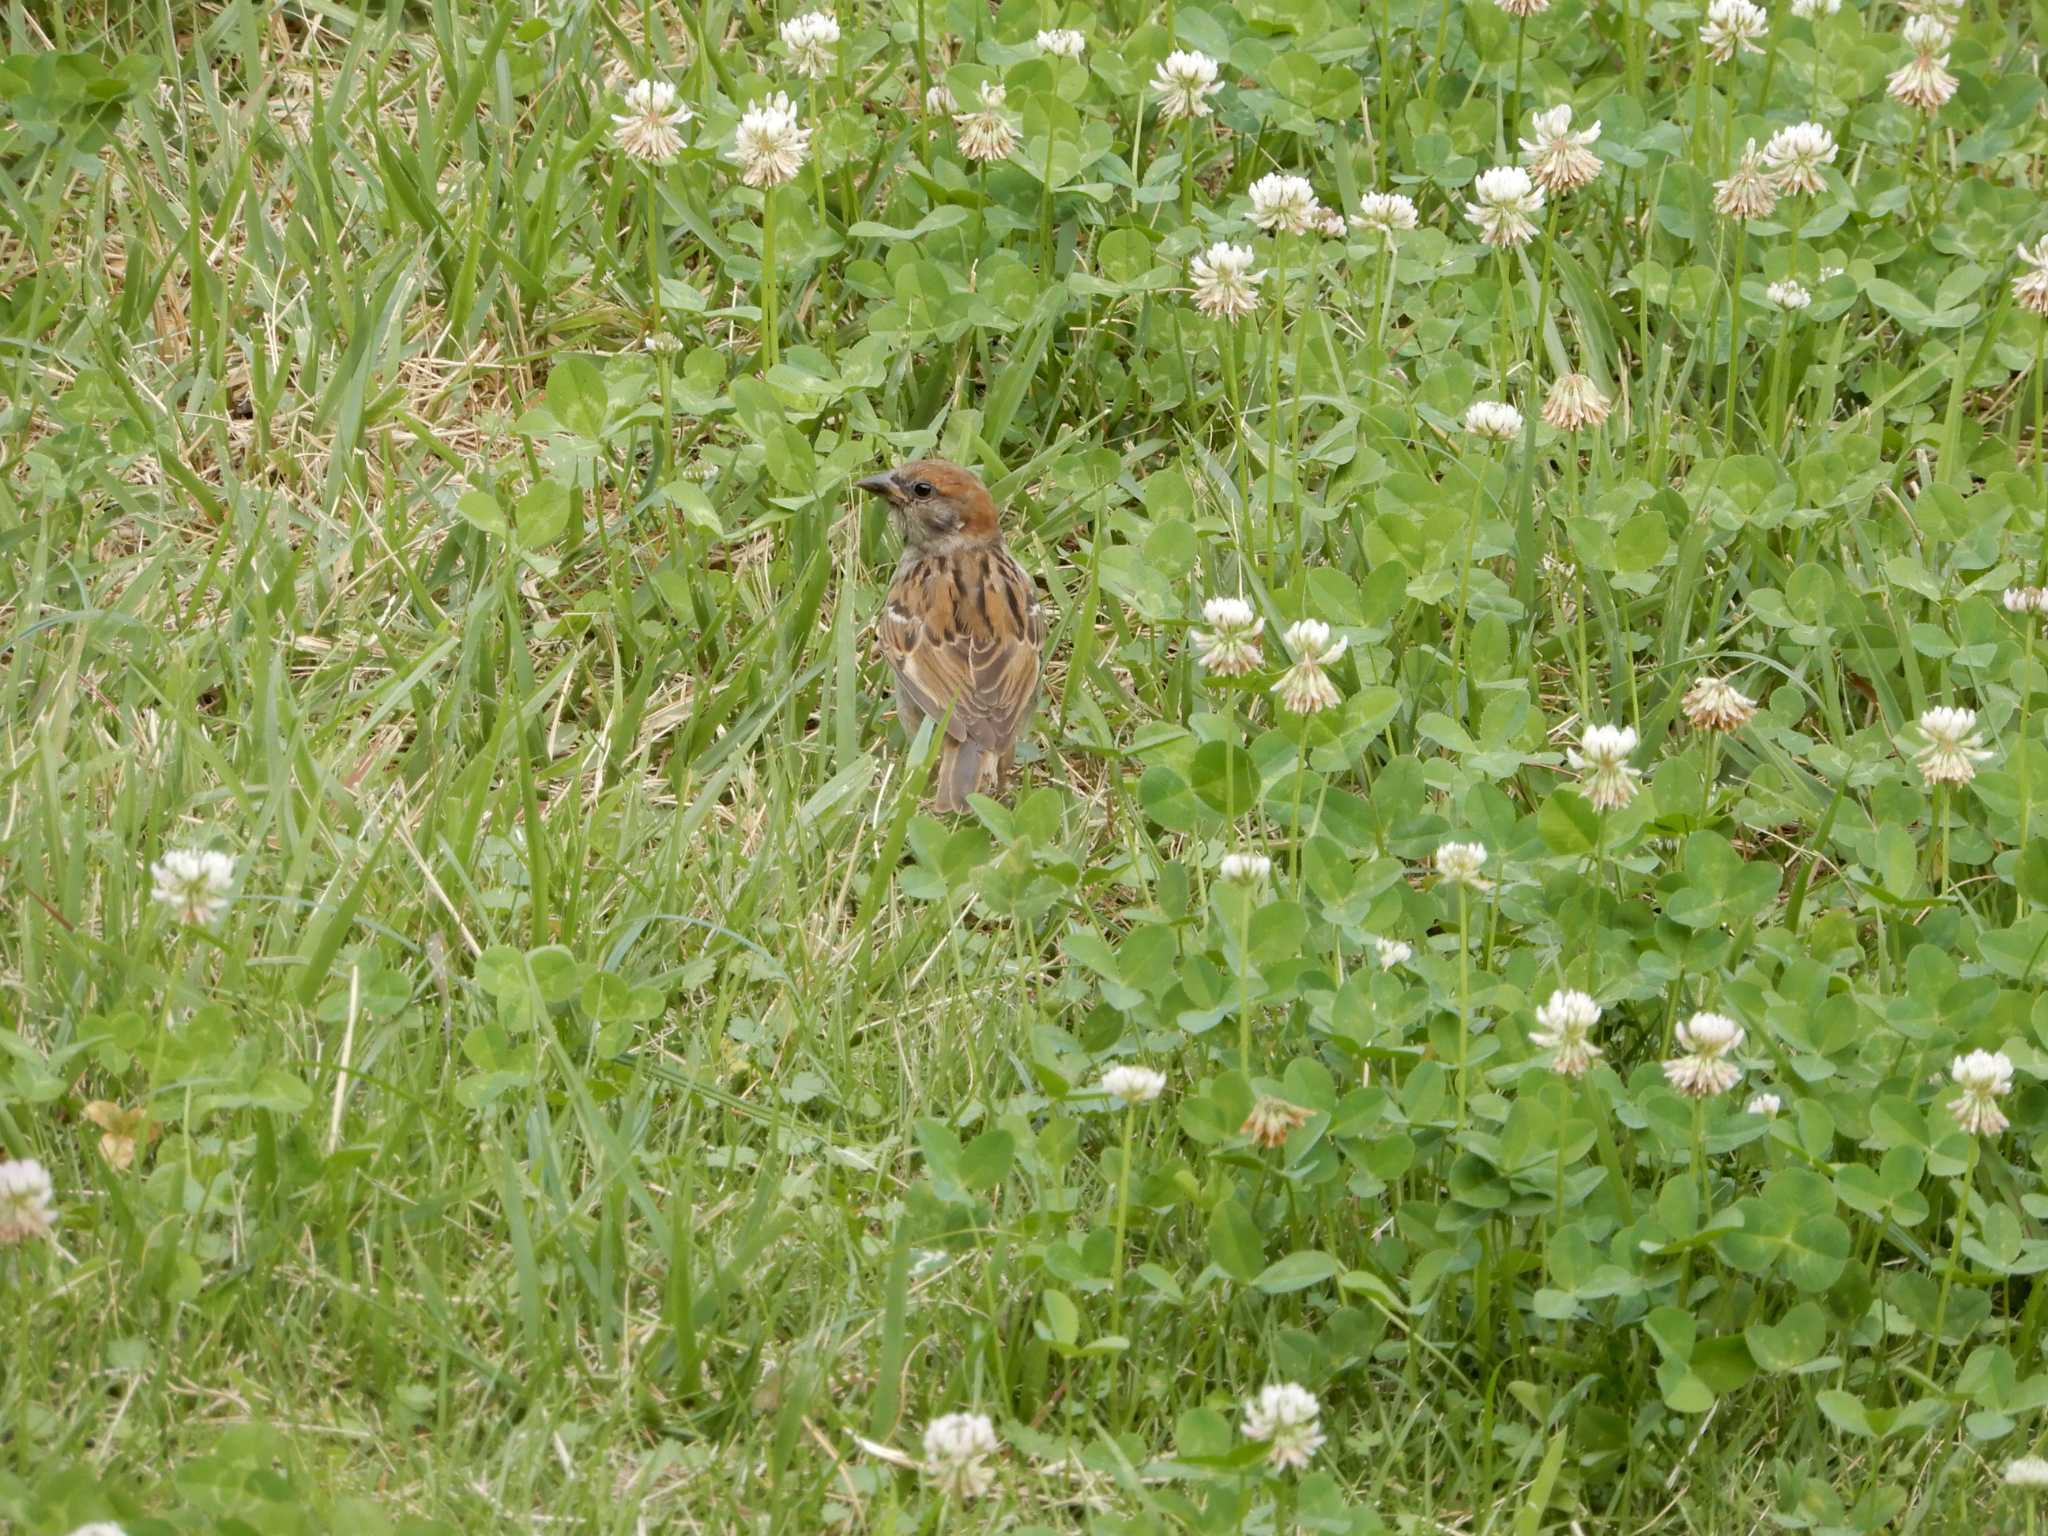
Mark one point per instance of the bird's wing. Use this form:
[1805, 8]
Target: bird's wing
[962, 633]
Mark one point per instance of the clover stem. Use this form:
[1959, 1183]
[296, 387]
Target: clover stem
[1123, 1213]
[1955, 1254]
[1734, 334]
[1464, 999]
[768, 325]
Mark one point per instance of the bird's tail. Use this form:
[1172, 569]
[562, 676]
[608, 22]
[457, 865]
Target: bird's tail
[959, 773]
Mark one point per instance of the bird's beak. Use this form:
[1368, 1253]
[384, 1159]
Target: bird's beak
[878, 485]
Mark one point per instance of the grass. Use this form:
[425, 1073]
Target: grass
[610, 1102]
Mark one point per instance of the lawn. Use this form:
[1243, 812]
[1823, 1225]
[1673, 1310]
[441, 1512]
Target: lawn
[1505, 995]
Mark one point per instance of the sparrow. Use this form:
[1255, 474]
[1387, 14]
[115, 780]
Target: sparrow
[961, 627]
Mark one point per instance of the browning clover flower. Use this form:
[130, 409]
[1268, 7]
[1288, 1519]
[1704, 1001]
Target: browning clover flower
[647, 129]
[1565, 1026]
[1303, 689]
[1286, 1417]
[1575, 401]
[1184, 82]
[1951, 751]
[1985, 1077]
[2025, 600]
[1924, 82]
[1712, 704]
[1708, 1040]
[1750, 192]
[1559, 158]
[1272, 1120]
[1506, 201]
[1732, 26]
[1231, 647]
[987, 134]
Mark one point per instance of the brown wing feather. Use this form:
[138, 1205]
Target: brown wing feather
[962, 632]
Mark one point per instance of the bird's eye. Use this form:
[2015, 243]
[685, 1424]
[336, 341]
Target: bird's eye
[921, 490]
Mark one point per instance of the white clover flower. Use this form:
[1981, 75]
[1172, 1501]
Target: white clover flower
[647, 129]
[939, 102]
[2030, 288]
[1285, 1416]
[1303, 690]
[1460, 863]
[1751, 192]
[1813, 10]
[1827, 273]
[1558, 157]
[2025, 600]
[809, 40]
[1523, 8]
[1506, 201]
[1184, 82]
[1712, 704]
[1796, 154]
[956, 1451]
[1929, 32]
[1493, 421]
[1952, 750]
[1765, 1104]
[2026, 1472]
[100, 1528]
[1392, 952]
[1575, 401]
[1924, 82]
[1565, 1029]
[1245, 868]
[1733, 25]
[771, 143]
[1788, 295]
[1285, 204]
[193, 882]
[1231, 647]
[1602, 756]
[987, 134]
[1331, 224]
[26, 1201]
[1389, 215]
[1133, 1085]
[1226, 286]
[1063, 43]
[1985, 1077]
[1708, 1040]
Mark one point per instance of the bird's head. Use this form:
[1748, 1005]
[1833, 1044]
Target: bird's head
[936, 503]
